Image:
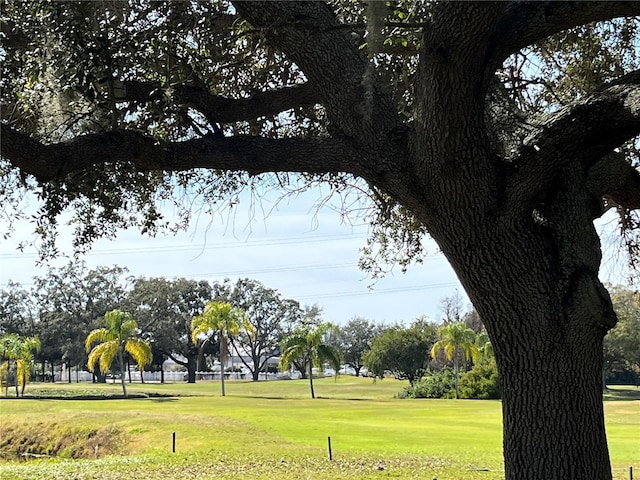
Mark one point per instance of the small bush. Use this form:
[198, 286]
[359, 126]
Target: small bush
[481, 382]
[436, 385]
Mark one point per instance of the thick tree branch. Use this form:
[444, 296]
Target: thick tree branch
[593, 126]
[614, 178]
[219, 109]
[525, 23]
[252, 154]
[12, 37]
[310, 35]
[360, 111]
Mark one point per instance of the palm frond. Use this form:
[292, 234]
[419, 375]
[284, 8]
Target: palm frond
[222, 317]
[140, 351]
[128, 329]
[200, 326]
[103, 354]
[290, 352]
[23, 367]
[99, 335]
[329, 354]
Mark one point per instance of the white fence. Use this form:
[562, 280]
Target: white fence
[170, 376]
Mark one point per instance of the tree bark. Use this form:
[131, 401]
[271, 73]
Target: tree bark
[547, 318]
[223, 355]
[313, 393]
[190, 364]
[456, 370]
[15, 362]
[122, 379]
[191, 370]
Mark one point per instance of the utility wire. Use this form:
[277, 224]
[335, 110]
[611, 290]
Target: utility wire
[206, 246]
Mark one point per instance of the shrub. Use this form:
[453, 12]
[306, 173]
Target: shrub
[481, 382]
[436, 385]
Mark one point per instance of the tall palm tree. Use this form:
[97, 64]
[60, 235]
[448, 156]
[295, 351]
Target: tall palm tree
[308, 341]
[119, 337]
[457, 340]
[17, 353]
[223, 318]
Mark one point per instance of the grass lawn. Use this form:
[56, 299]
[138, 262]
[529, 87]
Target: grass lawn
[273, 430]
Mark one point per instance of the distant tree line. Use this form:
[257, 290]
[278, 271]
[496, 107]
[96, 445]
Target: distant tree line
[66, 304]
[451, 359]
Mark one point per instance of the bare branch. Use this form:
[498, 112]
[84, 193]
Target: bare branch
[252, 154]
[525, 23]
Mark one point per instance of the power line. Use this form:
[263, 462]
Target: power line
[206, 246]
[357, 293]
[292, 268]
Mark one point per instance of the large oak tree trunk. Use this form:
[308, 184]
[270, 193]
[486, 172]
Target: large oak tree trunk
[547, 315]
[553, 404]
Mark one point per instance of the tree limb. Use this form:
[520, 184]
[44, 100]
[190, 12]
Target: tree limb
[12, 37]
[252, 154]
[593, 126]
[219, 109]
[614, 178]
[309, 34]
[525, 23]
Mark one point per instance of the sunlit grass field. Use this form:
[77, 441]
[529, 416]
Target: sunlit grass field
[273, 430]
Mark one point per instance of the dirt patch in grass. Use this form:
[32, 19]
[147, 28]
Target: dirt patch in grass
[42, 440]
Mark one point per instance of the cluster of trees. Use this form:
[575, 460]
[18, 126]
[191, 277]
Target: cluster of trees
[65, 309]
[192, 322]
[68, 303]
[431, 357]
[16, 353]
[622, 344]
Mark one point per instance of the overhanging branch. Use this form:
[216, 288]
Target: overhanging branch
[614, 178]
[593, 126]
[252, 154]
[311, 36]
[219, 109]
[525, 23]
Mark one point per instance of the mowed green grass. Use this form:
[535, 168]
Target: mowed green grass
[273, 430]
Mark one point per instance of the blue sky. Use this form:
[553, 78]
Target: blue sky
[308, 255]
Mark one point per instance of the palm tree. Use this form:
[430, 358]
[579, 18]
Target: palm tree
[17, 354]
[223, 318]
[484, 344]
[456, 339]
[308, 341]
[119, 337]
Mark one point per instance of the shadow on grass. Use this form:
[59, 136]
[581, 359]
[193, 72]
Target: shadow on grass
[318, 397]
[620, 394]
[164, 399]
[159, 397]
[265, 397]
